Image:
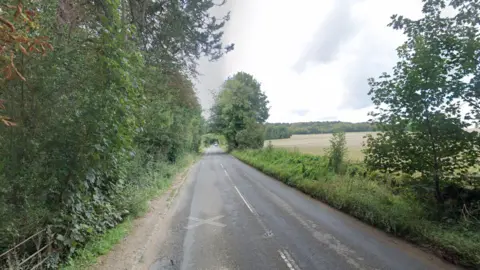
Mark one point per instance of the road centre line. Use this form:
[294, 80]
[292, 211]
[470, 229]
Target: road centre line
[268, 233]
[245, 201]
[288, 260]
[238, 191]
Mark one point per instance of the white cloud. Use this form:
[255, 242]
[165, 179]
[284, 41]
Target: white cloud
[312, 56]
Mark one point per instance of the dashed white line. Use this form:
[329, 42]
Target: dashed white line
[268, 233]
[229, 178]
[245, 201]
[221, 165]
[284, 258]
[288, 260]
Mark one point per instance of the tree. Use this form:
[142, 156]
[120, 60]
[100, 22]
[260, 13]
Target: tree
[252, 136]
[240, 106]
[18, 38]
[98, 114]
[418, 107]
[337, 151]
[178, 33]
[276, 132]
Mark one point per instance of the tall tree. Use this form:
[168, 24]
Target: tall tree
[240, 105]
[179, 32]
[419, 106]
[116, 93]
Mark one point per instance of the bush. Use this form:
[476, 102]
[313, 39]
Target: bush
[336, 152]
[251, 137]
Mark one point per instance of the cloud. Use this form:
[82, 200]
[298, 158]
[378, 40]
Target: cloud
[369, 54]
[328, 118]
[333, 47]
[300, 112]
[369, 62]
[337, 29]
[212, 74]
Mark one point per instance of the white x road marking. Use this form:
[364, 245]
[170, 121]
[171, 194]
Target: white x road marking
[210, 221]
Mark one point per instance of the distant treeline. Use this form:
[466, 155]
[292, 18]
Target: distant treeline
[285, 130]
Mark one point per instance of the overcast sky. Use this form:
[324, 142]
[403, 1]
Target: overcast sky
[312, 57]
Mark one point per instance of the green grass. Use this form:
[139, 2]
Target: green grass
[100, 245]
[370, 201]
[150, 182]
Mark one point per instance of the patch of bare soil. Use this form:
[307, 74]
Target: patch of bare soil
[147, 232]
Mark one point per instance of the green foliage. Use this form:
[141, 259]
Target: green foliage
[419, 107]
[273, 132]
[336, 152]
[368, 200]
[211, 138]
[150, 180]
[250, 137]
[102, 117]
[239, 108]
[315, 128]
[99, 245]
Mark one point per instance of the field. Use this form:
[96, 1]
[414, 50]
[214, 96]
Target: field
[316, 143]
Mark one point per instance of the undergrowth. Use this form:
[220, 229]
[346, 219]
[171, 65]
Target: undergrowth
[370, 201]
[100, 245]
[152, 181]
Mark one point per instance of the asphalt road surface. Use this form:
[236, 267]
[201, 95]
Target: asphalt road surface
[230, 216]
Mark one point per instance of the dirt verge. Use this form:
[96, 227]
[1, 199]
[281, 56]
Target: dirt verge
[147, 232]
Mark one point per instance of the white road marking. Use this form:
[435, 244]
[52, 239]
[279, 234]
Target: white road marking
[268, 233]
[229, 178]
[245, 201]
[210, 221]
[288, 260]
[221, 165]
[329, 240]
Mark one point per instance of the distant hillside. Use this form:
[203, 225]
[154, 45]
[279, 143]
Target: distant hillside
[285, 130]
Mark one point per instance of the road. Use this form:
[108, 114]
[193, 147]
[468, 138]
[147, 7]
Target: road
[230, 216]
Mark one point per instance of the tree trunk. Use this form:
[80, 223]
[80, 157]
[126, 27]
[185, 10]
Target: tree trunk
[436, 165]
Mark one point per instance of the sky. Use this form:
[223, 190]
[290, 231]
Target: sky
[312, 58]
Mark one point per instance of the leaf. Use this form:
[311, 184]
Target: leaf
[90, 176]
[9, 123]
[60, 238]
[19, 10]
[7, 23]
[24, 51]
[19, 74]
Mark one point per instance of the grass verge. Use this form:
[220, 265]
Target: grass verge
[150, 182]
[369, 201]
[100, 245]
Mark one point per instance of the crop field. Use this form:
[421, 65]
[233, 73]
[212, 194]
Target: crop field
[316, 143]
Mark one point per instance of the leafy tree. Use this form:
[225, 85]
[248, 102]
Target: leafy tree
[239, 105]
[436, 74]
[179, 32]
[250, 137]
[211, 138]
[337, 151]
[317, 128]
[276, 132]
[94, 116]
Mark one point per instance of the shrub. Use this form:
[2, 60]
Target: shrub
[336, 152]
[251, 137]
